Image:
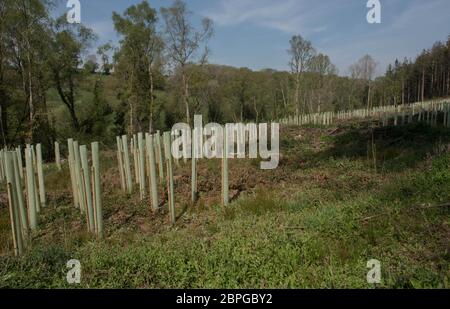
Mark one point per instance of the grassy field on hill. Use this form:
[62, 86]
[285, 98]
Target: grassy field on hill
[341, 196]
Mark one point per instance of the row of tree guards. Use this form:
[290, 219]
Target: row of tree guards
[85, 181]
[26, 191]
[150, 157]
[26, 188]
[153, 166]
[431, 112]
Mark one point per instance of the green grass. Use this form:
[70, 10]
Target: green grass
[315, 229]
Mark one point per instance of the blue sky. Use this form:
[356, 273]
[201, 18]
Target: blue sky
[256, 33]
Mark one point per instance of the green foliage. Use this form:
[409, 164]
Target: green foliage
[66, 94]
[313, 224]
[139, 64]
[307, 234]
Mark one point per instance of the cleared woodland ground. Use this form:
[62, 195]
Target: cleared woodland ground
[335, 202]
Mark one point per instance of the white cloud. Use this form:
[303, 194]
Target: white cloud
[289, 16]
[405, 33]
[339, 28]
[104, 29]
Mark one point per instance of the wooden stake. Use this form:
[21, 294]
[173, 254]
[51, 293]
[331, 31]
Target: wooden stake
[97, 191]
[225, 194]
[193, 169]
[57, 156]
[152, 164]
[141, 153]
[36, 191]
[19, 161]
[32, 211]
[40, 175]
[159, 155]
[79, 178]
[73, 177]
[134, 150]
[170, 187]
[87, 188]
[2, 173]
[127, 164]
[120, 162]
[93, 200]
[34, 156]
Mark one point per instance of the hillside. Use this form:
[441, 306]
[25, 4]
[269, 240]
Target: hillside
[341, 196]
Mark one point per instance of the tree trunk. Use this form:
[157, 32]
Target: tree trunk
[30, 96]
[131, 127]
[305, 103]
[423, 84]
[130, 102]
[432, 82]
[284, 98]
[318, 106]
[448, 82]
[418, 90]
[256, 110]
[73, 116]
[3, 117]
[150, 125]
[408, 95]
[186, 96]
[68, 100]
[403, 91]
[297, 94]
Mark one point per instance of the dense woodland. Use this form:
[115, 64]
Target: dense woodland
[52, 88]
